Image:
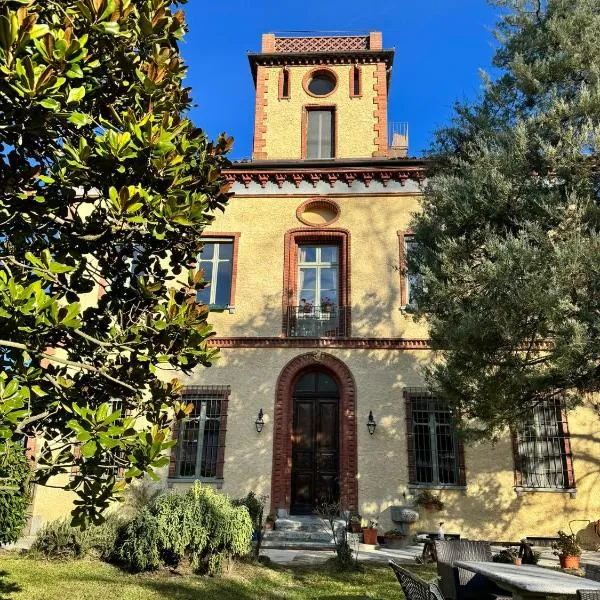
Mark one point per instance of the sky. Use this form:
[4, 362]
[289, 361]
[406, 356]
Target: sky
[441, 45]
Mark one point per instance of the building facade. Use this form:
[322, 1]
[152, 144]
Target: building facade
[318, 392]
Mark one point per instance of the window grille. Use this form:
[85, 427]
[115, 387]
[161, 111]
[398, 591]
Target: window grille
[198, 441]
[434, 452]
[543, 449]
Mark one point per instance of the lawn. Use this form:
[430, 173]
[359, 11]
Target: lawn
[24, 578]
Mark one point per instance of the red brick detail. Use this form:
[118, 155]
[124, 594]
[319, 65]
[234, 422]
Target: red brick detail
[235, 237]
[285, 73]
[380, 113]
[345, 343]
[317, 176]
[295, 237]
[260, 116]
[76, 455]
[31, 449]
[402, 235]
[268, 43]
[295, 45]
[281, 479]
[355, 73]
[316, 203]
[375, 40]
[308, 76]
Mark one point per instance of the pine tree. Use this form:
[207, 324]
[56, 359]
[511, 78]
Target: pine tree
[507, 244]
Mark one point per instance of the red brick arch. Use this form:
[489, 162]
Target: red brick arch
[281, 480]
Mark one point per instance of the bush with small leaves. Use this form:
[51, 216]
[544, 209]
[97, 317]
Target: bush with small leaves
[15, 475]
[136, 547]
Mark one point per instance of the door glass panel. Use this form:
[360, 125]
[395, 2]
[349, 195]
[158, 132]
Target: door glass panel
[328, 280]
[306, 383]
[223, 293]
[308, 254]
[325, 383]
[207, 252]
[225, 251]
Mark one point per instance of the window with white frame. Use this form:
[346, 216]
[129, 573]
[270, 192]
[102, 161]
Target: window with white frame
[413, 280]
[318, 277]
[198, 440]
[320, 141]
[433, 447]
[543, 449]
[216, 261]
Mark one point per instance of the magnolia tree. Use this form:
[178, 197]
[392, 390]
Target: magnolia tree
[507, 245]
[105, 189]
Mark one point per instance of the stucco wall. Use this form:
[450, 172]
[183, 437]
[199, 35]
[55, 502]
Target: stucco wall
[373, 222]
[355, 120]
[489, 507]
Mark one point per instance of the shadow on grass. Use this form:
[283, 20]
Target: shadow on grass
[7, 588]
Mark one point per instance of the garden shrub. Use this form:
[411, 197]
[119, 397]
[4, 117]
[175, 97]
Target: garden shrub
[255, 506]
[15, 472]
[199, 525]
[58, 539]
[136, 546]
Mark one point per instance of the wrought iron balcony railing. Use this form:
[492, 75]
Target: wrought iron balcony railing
[317, 321]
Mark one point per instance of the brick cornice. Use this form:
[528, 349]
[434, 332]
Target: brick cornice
[347, 343]
[330, 175]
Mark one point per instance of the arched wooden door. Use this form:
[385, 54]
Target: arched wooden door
[315, 441]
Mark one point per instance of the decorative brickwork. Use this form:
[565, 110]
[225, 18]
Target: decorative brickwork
[317, 174]
[319, 44]
[375, 40]
[306, 342]
[316, 204]
[380, 112]
[355, 79]
[295, 237]
[260, 114]
[268, 43]
[281, 480]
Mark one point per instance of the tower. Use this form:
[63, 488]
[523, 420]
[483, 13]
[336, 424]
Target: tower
[321, 97]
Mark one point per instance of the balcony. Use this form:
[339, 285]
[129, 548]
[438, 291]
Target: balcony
[316, 321]
[398, 139]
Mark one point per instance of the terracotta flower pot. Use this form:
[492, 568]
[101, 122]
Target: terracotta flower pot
[268, 525]
[370, 535]
[569, 562]
[517, 561]
[355, 527]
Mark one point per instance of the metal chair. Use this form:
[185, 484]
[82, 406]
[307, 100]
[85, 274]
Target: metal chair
[414, 587]
[591, 572]
[588, 594]
[460, 584]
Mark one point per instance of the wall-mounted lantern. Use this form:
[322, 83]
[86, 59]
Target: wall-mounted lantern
[260, 422]
[371, 423]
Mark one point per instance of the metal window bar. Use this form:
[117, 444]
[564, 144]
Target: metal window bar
[198, 443]
[542, 451]
[435, 446]
[316, 321]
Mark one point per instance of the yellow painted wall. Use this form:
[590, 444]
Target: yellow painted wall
[355, 120]
[375, 295]
[488, 509]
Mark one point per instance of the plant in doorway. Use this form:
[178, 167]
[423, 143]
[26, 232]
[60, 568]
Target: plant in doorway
[332, 512]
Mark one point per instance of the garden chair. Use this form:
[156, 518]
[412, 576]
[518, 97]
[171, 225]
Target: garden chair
[591, 572]
[460, 584]
[414, 587]
[588, 594]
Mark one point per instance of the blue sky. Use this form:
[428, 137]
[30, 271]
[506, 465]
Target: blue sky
[440, 47]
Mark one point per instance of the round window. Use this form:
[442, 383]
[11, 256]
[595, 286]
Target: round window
[321, 83]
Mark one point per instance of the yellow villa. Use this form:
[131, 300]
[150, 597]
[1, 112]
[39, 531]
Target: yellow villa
[318, 392]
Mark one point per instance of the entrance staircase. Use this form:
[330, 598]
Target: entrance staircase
[301, 533]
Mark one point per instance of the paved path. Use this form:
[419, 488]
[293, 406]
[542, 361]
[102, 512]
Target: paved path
[367, 553]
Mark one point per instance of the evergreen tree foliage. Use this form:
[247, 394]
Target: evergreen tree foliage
[507, 245]
[105, 189]
[15, 493]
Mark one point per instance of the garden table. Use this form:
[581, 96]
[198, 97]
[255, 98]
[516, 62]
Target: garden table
[528, 581]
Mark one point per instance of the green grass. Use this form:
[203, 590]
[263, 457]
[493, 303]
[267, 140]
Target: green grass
[23, 578]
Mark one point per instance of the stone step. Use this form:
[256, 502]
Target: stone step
[298, 536]
[279, 545]
[306, 523]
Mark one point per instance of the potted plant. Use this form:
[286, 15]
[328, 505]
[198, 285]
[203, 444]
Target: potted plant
[270, 521]
[305, 307]
[355, 524]
[370, 533]
[326, 304]
[429, 501]
[396, 539]
[568, 550]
